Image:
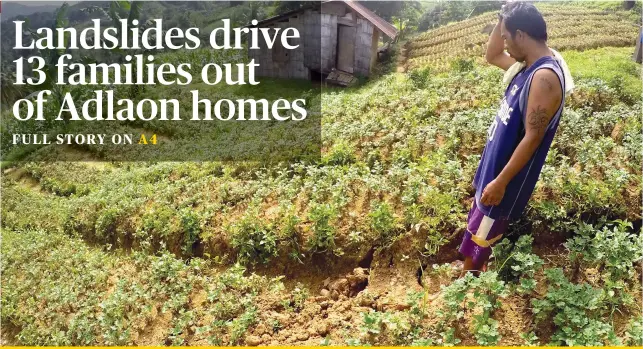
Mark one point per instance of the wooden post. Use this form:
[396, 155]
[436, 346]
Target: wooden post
[637, 57]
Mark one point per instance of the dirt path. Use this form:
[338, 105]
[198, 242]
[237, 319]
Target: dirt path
[401, 59]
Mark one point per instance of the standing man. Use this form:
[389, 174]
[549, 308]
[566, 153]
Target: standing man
[521, 133]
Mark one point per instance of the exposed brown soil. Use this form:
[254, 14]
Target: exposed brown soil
[23, 177]
[341, 293]
[156, 332]
[7, 333]
[336, 305]
[369, 278]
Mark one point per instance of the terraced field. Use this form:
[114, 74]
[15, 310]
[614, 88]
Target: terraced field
[359, 247]
[577, 27]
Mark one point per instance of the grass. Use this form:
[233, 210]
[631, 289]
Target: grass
[610, 64]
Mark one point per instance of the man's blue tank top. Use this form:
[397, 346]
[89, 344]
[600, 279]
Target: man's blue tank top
[504, 135]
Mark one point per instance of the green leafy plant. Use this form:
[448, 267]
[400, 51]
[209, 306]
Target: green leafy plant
[256, 241]
[322, 216]
[297, 298]
[462, 65]
[387, 327]
[341, 154]
[191, 225]
[420, 78]
[517, 263]
[634, 332]
[576, 311]
[481, 295]
[382, 221]
[531, 340]
[612, 248]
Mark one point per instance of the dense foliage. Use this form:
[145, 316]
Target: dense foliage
[98, 253]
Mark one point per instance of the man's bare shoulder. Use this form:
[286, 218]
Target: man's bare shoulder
[547, 84]
[544, 99]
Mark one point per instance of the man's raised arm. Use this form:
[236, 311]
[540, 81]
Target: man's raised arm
[496, 54]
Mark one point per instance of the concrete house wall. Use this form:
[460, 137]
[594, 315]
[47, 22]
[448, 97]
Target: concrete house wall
[279, 61]
[318, 44]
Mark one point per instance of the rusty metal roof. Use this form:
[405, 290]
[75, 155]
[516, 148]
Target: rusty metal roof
[385, 27]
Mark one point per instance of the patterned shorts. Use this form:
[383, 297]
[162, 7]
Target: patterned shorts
[482, 233]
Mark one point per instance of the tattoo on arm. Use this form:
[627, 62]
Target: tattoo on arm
[538, 119]
[546, 84]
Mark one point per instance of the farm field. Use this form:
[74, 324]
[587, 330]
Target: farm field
[577, 27]
[357, 248]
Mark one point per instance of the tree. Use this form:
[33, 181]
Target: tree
[390, 9]
[286, 6]
[453, 11]
[407, 20]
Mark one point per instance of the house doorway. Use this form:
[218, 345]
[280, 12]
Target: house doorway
[345, 48]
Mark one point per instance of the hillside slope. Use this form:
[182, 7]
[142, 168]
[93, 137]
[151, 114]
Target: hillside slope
[577, 27]
[354, 249]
